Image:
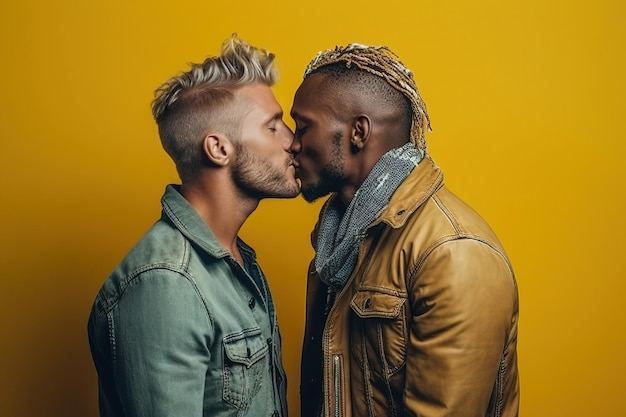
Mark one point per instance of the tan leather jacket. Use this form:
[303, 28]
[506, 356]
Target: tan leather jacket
[427, 323]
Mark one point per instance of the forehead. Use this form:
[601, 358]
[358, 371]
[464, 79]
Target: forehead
[313, 98]
[260, 97]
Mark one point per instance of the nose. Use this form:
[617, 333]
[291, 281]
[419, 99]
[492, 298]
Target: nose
[287, 138]
[296, 145]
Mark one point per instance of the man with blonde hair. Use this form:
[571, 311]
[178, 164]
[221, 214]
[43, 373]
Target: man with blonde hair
[412, 304]
[186, 325]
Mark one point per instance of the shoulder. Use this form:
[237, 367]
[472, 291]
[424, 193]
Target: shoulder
[161, 255]
[163, 246]
[446, 236]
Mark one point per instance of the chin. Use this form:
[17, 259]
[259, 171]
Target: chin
[312, 193]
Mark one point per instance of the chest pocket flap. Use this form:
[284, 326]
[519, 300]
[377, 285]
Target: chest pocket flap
[375, 304]
[245, 348]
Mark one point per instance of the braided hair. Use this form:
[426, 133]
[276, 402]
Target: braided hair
[381, 62]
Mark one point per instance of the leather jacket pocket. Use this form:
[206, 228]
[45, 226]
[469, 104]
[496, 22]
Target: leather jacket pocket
[245, 366]
[379, 331]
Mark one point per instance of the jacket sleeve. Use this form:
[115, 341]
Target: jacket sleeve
[463, 301]
[160, 332]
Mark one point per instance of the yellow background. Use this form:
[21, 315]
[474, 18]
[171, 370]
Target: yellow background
[526, 100]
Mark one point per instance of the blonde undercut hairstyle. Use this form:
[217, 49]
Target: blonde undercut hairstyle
[189, 105]
[381, 62]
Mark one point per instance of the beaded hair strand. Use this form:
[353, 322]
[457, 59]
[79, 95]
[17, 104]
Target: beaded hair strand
[381, 62]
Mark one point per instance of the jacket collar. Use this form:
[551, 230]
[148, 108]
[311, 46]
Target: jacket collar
[184, 217]
[421, 183]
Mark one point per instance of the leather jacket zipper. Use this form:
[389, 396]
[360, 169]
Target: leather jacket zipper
[337, 374]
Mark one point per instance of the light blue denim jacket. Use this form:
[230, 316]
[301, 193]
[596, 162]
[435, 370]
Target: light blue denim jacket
[181, 329]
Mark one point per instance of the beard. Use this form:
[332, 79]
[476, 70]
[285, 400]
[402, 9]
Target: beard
[330, 176]
[259, 178]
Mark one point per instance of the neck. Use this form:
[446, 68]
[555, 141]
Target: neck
[222, 207]
[362, 165]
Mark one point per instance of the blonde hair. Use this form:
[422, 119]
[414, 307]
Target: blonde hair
[187, 105]
[381, 62]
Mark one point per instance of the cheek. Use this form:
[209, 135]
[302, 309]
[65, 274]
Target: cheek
[312, 147]
[316, 149]
[268, 145]
[310, 157]
[312, 163]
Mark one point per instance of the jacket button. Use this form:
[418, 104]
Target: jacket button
[367, 303]
[251, 303]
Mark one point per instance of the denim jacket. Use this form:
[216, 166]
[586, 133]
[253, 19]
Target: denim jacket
[180, 328]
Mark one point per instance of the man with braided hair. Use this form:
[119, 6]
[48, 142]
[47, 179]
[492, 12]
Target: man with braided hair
[186, 325]
[412, 303]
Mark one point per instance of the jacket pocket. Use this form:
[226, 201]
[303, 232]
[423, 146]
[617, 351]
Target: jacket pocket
[245, 366]
[379, 331]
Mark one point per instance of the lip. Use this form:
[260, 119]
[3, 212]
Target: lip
[296, 167]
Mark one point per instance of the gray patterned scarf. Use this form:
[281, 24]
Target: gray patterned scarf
[340, 233]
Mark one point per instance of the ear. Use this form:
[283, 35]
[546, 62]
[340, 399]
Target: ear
[361, 131]
[217, 148]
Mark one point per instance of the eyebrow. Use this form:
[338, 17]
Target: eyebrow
[276, 116]
[297, 116]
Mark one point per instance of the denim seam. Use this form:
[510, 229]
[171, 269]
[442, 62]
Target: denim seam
[108, 306]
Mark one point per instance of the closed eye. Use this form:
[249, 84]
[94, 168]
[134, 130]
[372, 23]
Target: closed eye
[272, 123]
